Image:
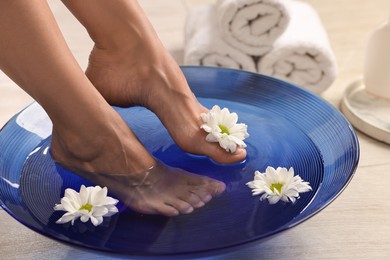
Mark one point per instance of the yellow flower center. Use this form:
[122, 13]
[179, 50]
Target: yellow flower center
[87, 207]
[276, 186]
[224, 129]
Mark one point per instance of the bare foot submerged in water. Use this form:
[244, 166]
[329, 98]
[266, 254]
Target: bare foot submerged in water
[111, 155]
[161, 190]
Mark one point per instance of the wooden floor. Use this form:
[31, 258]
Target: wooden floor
[355, 226]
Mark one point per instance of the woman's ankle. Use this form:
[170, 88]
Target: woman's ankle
[102, 143]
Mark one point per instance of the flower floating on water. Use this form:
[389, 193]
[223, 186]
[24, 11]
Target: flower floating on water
[223, 128]
[91, 203]
[279, 184]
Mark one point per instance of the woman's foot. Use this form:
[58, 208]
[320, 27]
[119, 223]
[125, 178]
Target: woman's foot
[107, 153]
[162, 190]
[148, 76]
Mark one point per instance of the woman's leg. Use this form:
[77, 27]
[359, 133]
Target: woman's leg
[129, 65]
[89, 137]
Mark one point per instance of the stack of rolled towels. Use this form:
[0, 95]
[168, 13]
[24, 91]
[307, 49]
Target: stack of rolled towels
[280, 38]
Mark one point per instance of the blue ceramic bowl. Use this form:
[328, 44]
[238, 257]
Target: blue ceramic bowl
[288, 126]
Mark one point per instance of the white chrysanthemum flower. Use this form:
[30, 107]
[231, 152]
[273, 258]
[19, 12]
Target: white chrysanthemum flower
[91, 203]
[223, 128]
[279, 184]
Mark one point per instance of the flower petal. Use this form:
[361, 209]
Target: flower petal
[99, 195]
[233, 118]
[68, 205]
[273, 199]
[66, 218]
[59, 207]
[212, 138]
[99, 211]
[224, 116]
[96, 221]
[216, 109]
[84, 195]
[224, 143]
[204, 117]
[239, 131]
[85, 217]
[110, 201]
[206, 127]
[73, 196]
[111, 210]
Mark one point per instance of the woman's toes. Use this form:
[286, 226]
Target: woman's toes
[205, 187]
[181, 206]
[219, 155]
[204, 195]
[215, 187]
[166, 210]
[193, 199]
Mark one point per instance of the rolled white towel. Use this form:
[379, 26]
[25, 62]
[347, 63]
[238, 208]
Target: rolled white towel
[302, 54]
[204, 46]
[252, 26]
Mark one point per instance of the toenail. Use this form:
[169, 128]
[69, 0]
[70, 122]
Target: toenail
[189, 210]
[174, 213]
[200, 204]
[207, 198]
